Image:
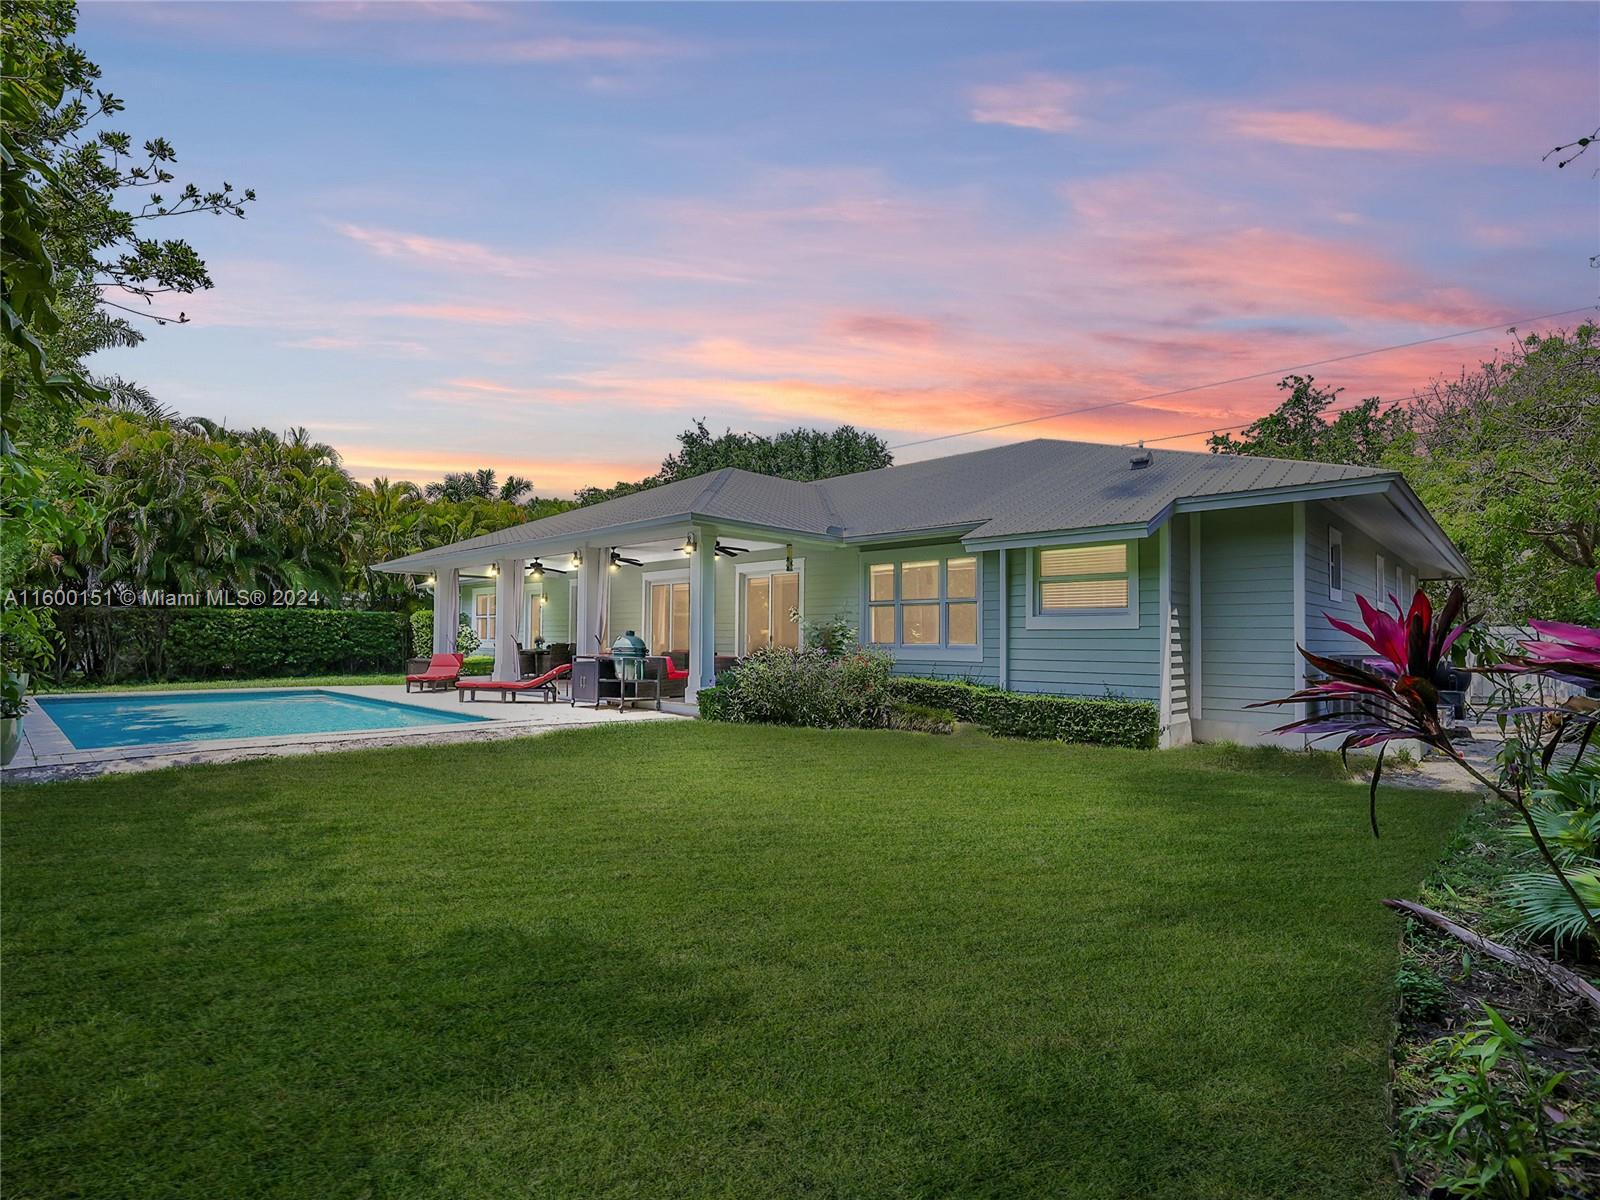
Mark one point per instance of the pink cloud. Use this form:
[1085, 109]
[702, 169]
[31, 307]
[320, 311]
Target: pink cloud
[1323, 130]
[1034, 102]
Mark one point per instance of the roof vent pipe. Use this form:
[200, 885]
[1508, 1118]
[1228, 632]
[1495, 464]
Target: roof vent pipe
[1140, 460]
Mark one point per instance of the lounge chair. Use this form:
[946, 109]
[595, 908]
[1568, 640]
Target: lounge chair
[443, 670]
[510, 689]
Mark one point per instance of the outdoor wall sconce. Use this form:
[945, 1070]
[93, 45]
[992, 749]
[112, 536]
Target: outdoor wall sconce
[788, 556]
[577, 559]
[689, 544]
[493, 570]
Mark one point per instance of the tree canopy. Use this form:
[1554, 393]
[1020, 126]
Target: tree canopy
[802, 454]
[1506, 456]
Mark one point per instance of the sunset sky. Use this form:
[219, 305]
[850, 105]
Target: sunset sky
[545, 238]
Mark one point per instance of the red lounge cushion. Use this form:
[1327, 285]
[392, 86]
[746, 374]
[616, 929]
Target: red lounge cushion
[515, 685]
[674, 674]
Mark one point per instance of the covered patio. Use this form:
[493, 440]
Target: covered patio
[697, 594]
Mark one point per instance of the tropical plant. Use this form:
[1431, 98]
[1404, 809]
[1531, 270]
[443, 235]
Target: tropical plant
[1565, 806]
[1489, 1126]
[1395, 697]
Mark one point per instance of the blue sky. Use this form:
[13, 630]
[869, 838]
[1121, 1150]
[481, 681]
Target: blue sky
[544, 238]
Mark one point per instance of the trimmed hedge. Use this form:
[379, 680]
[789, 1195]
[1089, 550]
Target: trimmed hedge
[202, 643]
[113, 645]
[1134, 724]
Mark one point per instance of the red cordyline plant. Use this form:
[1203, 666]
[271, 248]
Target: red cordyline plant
[1570, 653]
[1395, 697]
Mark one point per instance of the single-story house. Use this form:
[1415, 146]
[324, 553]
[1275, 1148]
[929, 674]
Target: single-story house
[1186, 579]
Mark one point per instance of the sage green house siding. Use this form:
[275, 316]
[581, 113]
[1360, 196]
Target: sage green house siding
[1087, 662]
[1247, 620]
[1361, 554]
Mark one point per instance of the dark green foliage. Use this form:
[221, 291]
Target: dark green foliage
[803, 454]
[1490, 1127]
[203, 642]
[919, 718]
[714, 703]
[1423, 994]
[221, 643]
[1134, 724]
[682, 959]
[779, 686]
[478, 664]
[1298, 428]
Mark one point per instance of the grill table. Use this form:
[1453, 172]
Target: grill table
[642, 689]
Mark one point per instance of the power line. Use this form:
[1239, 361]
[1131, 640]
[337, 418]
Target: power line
[1280, 372]
[1173, 437]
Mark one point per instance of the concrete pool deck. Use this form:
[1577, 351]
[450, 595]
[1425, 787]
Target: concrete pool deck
[47, 754]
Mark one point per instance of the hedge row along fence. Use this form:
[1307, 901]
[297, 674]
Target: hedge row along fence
[118, 645]
[1134, 724]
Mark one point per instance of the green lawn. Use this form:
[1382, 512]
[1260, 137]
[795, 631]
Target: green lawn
[684, 959]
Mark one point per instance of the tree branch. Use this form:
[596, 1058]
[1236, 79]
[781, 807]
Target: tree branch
[1569, 983]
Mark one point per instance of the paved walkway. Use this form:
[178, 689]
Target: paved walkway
[47, 754]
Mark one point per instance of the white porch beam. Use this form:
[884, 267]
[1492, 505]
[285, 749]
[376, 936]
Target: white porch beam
[587, 621]
[508, 587]
[703, 611]
[446, 609]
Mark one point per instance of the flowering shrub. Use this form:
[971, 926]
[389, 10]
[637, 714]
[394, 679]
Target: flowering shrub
[780, 686]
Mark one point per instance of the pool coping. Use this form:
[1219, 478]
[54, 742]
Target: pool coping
[48, 754]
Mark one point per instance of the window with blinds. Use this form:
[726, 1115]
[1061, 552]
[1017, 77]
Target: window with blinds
[1076, 579]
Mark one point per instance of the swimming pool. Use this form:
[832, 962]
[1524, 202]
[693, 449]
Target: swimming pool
[99, 722]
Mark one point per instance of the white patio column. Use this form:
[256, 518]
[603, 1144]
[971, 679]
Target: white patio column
[446, 609]
[508, 591]
[591, 601]
[703, 610]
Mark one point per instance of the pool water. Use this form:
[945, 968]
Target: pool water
[97, 722]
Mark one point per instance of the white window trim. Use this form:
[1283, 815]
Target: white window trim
[917, 652]
[492, 615]
[1105, 618]
[1336, 538]
[646, 616]
[770, 566]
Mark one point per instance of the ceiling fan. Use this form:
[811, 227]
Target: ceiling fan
[732, 551]
[537, 569]
[617, 558]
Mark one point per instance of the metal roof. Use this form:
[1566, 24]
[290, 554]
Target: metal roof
[1034, 487]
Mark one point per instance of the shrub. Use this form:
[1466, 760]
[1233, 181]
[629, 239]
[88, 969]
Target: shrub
[780, 686]
[422, 635]
[211, 643]
[919, 718]
[478, 664]
[1131, 723]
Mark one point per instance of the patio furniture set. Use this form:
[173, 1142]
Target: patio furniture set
[587, 679]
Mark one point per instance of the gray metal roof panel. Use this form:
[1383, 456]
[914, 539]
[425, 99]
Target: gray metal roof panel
[1033, 487]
